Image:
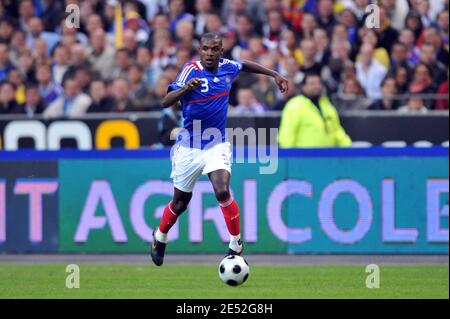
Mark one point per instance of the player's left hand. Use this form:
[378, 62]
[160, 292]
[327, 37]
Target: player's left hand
[282, 83]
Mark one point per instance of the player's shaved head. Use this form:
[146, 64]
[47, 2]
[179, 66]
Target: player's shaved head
[211, 36]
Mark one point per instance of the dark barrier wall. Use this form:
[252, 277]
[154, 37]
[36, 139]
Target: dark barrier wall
[350, 201]
[141, 131]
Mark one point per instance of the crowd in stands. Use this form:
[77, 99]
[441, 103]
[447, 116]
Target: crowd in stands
[121, 58]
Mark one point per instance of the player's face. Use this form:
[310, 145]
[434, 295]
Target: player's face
[210, 53]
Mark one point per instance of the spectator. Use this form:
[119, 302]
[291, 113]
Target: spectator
[352, 96]
[310, 120]
[413, 22]
[442, 25]
[407, 37]
[35, 28]
[339, 59]
[26, 12]
[78, 55]
[322, 42]
[160, 91]
[161, 22]
[130, 43]
[123, 103]
[256, 46]
[178, 13]
[369, 36]
[386, 33]
[389, 90]
[340, 34]
[273, 29]
[442, 103]
[185, 36]
[399, 55]
[421, 8]
[5, 63]
[143, 59]
[348, 20]
[309, 51]
[415, 105]
[61, 58]
[26, 66]
[214, 24]
[264, 89]
[122, 61]
[50, 13]
[428, 56]
[83, 75]
[101, 101]
[171, 72]
[370, 72]
[247, 103]
[93, 22]
[48, 89]
[289, 46]
[326, 17]
[230, 11]
[203, 8]
[139, 94]
[432, 36]
[70, 32]
[359, 8]
[8, 102]
[396, 10]
[72, 103]
[402, 77]
[422, 83]
[17, 46]
[244, 29]
[309, 23]
[100, 54]
[182, 57]
[6, 30]
[163, 51]
[33, 100]
[15, 78]
[40, 53]
[229, 45]
[135, 23]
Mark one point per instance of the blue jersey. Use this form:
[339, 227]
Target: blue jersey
[208, 103]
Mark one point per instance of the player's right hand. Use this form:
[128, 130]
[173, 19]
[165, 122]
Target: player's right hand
[194, 83]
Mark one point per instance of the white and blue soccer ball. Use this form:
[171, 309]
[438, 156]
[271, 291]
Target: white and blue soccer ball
[234, 270]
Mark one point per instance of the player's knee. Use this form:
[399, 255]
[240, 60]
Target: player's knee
[222, 195]
[179, 207]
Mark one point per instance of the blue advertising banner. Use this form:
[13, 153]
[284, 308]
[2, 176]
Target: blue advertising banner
[334, 201]
[368, 205]
[28, 206]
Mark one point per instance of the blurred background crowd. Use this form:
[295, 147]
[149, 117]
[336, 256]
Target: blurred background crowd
[123, 55]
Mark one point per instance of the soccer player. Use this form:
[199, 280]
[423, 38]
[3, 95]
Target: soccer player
[203, 88]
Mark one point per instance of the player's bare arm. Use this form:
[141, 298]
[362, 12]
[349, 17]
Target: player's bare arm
[175, 96]
[253, 67]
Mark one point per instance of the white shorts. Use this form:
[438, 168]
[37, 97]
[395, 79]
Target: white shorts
[189, 163]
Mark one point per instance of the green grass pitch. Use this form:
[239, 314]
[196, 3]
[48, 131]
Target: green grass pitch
[202, 281]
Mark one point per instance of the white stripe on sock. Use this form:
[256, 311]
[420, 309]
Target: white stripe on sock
[227, 203]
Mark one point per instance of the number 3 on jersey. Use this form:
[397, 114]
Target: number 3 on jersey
[205, 86]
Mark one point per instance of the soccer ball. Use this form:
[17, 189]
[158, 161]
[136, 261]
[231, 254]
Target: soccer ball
[233, 270]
